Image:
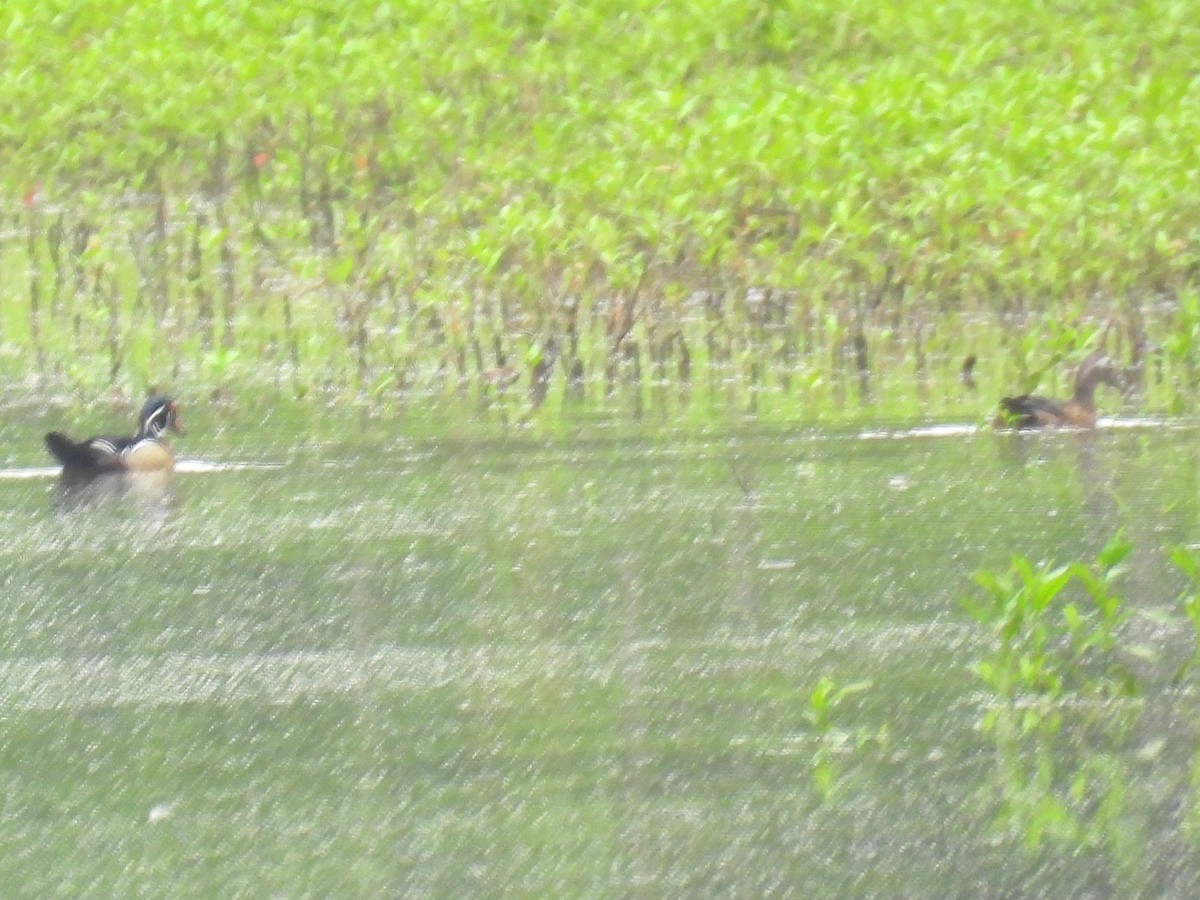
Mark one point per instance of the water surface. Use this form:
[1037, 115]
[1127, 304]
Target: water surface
[580, 665]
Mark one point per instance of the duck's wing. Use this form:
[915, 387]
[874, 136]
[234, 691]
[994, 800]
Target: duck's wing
[101, 453]
[1032, 411]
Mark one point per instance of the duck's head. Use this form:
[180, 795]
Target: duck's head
[159, 414]
[1099, 369]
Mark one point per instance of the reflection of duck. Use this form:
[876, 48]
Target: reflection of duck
[144, 452]
[1032, 411]
[966, 375]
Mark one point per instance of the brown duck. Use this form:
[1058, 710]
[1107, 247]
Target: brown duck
[1032, 411]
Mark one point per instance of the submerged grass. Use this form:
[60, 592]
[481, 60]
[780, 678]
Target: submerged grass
[786, 208]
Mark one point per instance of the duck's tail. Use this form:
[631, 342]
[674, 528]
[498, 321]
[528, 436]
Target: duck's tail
[71, 454]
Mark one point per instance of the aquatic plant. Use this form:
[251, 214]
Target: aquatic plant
[1187, 560]
[1178, 361]
[833, 741]
[1093, 628]
[1047, 640]
[404, 197]
[1061, 780]
[1054, 670]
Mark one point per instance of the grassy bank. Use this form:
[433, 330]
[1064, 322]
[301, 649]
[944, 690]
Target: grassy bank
[789, 207]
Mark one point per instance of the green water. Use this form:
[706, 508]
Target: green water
[578, 665]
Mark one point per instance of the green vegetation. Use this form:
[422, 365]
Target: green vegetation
[1063, 709]
[770, 205]
[1055, 680]
[1187, 560]
[1062, 779]
[832, 741]
[1048, 642]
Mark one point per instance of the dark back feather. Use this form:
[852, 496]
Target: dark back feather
[1032, 411]
[98, 454]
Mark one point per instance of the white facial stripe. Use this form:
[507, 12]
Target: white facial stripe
[153, 426]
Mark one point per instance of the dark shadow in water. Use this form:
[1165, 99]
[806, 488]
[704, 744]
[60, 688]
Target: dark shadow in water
[1095, 470]
[1021, 448]
[1097, 475]
[152, 494]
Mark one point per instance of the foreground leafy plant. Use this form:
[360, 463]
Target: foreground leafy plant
[1015, 607]
[1046, 641]
[1187, 560]
[1056, 638]
[1093, 630]
[833, 741]
[1062, 781]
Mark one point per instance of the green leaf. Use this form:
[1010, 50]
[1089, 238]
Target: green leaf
[1114, 552]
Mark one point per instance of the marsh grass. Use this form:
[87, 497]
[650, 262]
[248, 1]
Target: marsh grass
[796, 209]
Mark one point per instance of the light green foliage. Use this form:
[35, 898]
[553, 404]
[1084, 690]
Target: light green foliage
[1187, 560]
[833, 741]
[365, 189]
[1047, 639]
[1054, 672]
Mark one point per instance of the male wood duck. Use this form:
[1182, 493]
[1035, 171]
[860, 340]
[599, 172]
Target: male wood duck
[1032, 411]
[146, 451]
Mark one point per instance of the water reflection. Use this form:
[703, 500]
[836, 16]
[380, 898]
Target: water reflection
[1063, 783]
[1093, 465]
[154, 495]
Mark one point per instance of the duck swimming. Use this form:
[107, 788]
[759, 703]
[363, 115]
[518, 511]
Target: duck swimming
[144, 451]
[1079, 410]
